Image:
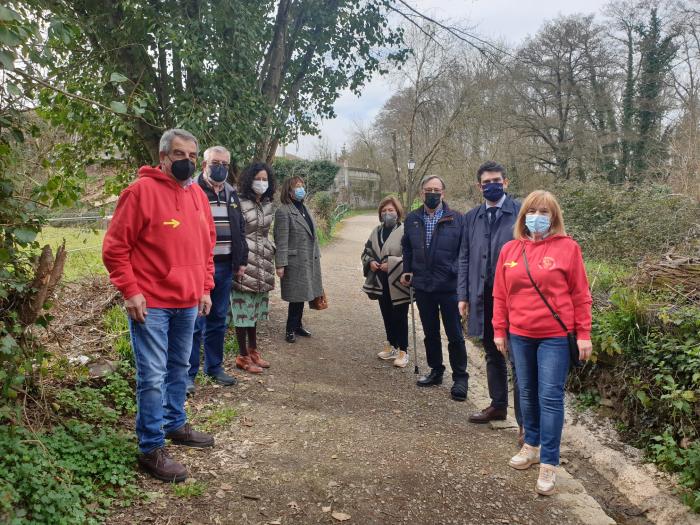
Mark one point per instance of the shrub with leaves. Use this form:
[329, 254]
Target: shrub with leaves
[625, 223]
[66, 476]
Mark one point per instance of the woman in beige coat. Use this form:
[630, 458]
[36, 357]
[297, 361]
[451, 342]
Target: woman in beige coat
[250, 296]
[382, 264]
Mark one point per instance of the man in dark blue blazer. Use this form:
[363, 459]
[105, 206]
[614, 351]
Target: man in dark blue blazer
[431, 240]
[485, 230]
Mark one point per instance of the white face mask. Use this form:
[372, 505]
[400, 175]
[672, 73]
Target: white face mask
[260, 186]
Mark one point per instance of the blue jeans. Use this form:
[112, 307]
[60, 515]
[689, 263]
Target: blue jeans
[162, 352]
[542, 366]
[212, 328]
[431, 307]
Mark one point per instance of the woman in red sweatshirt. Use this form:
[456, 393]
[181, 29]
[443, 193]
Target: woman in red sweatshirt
[538, 341]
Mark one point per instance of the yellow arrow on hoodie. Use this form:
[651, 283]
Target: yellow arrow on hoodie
[172, 222]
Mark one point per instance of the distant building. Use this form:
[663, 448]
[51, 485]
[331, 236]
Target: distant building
[357, 187]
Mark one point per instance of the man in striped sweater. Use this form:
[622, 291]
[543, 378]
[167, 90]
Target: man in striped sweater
[230, 259]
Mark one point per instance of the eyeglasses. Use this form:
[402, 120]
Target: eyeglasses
[219, 163]
[432, 190]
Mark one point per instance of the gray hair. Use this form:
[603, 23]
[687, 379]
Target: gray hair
[428, 178]
[215, 149]
[166, 141]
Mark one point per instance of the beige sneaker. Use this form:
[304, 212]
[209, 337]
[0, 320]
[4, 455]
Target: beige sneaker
[388, 352]
[401, 360]
[525, 458]
[546, 482]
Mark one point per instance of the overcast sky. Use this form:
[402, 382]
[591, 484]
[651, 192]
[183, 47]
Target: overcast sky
[509, 20]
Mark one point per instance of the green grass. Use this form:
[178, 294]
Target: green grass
[603, 275]
[84, 248]
[189, 490]
[211, 417]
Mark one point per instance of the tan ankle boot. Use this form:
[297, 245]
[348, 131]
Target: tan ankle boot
[257, 358]
[244, 362]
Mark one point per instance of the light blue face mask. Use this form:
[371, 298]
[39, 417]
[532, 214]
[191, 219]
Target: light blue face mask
[537, 223]
[299, 193]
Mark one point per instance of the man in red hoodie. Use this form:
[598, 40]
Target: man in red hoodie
[158, 251]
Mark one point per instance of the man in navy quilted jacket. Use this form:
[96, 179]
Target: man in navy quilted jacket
[431, 242]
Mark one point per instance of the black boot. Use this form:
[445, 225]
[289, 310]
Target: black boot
[433, 378]
[290, 337]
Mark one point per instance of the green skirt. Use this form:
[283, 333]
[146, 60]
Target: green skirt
[249, 308]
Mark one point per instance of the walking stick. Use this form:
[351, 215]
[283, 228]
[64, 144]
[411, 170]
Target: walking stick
[413, 325]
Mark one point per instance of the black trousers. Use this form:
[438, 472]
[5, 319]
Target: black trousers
[432, 306]
[395, 318]
[294, 313]
[496, 366]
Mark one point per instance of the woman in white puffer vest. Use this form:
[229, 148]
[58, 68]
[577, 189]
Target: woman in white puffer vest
[250, 296]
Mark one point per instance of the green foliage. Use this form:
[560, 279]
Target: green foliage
[211, 417]
[221, 417]
[119, 388]
[117, 325]
[86, 403]
[210, 70]
[231, 345]
[657, 54]
[625, 224]
[587, 399]
[64, 476]
[646, 349]
[323, 205]
[103, 403]
[318, 174]
[669, 456]
[189, 490]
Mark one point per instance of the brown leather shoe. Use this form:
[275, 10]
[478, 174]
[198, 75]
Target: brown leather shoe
[257, 359]
[161, 466]
[189, 437]
[244, 362]
[521, 436]
[488, 414]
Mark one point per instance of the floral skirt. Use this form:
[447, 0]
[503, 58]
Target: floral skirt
[248, 308]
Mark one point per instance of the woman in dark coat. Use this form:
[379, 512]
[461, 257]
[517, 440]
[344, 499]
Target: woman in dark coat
[249, 298]
[298, 255]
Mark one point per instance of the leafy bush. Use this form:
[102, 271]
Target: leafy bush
[120, 390]
[116, 324]
[318, 174]
[66, 476]
[646, 361]
[625, 223]
[671, 457]
[87, 403]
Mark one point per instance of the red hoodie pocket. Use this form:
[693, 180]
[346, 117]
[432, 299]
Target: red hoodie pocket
[183, 284]
[527, 313]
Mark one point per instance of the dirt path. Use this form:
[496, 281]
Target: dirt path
[331, 426]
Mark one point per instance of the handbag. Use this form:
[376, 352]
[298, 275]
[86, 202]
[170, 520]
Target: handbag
[319, 303]
[570, 336]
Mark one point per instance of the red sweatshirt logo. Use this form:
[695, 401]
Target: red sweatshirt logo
[547, 263]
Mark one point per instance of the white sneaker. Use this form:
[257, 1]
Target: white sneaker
[525, 458]
[388, 352]
[546, 482]
[401, 360]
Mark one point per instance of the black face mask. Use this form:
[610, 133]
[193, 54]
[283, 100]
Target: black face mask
[182, 169]
[218, 172]
[432, 200]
